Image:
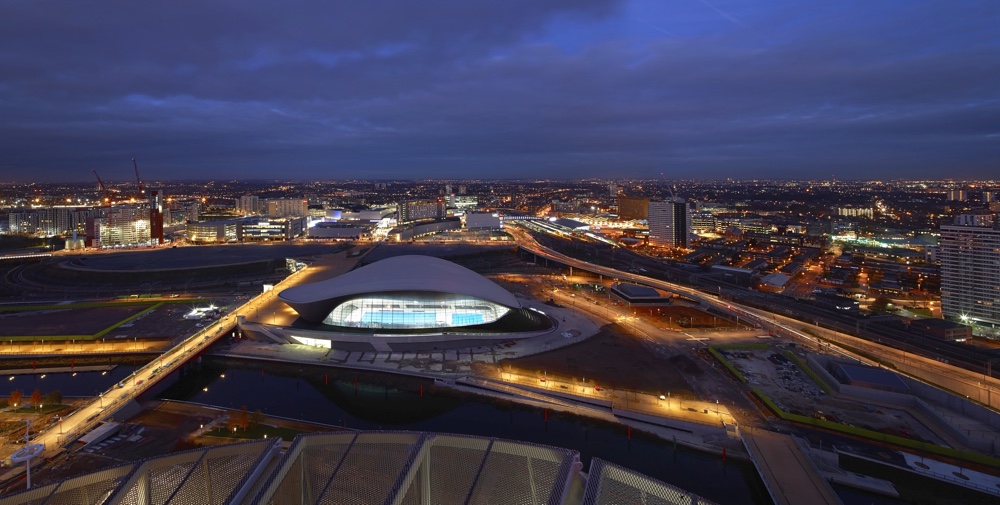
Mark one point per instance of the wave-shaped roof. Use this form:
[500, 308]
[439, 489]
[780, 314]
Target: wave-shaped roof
[410, 273]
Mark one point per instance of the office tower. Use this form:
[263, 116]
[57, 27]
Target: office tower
[288, 207]
[970, 269]
[669, 223]
[156, 202]
[703, 221]
[632, 208]
[417, 210]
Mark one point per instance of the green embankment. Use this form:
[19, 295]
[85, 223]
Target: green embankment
[949, 452]
[974, 457]
[88, 305]
[809, 371]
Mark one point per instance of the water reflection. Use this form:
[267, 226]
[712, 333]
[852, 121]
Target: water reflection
[380, 401]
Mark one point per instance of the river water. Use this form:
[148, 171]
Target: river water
[380, 401]
[365, 400]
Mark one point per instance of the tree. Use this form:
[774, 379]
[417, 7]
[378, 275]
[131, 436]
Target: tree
[15, 398]
[231, 422]
[36, 398]
[243, 421]
[54, 398]
[881, 303]
[257, 418]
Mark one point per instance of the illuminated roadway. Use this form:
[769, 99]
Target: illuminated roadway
[974, 386]
[88, 416]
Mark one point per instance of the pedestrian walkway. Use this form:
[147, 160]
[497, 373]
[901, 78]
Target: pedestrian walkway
[789, 476]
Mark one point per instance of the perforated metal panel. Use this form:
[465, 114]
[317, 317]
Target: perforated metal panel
[91, 488]
[445, 470]
[371, 468]
[519, 474]
[610, 484]
[36, 496]
[394, 468]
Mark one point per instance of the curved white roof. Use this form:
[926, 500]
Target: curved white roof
[399, 273]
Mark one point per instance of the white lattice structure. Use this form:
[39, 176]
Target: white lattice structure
[362, 468]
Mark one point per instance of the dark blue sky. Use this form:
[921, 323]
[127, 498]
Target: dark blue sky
[214, 89]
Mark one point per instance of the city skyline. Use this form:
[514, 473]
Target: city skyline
[559, 90]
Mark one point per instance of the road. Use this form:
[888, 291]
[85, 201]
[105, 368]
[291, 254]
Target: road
[266, 306]
[88, 416]
[975, 386]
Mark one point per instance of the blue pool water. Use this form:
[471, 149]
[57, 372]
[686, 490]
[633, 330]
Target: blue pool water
[466, 319]
[391, 318]
[388, 318]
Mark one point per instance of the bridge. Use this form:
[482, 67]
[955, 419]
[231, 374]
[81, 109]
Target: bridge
[107, 402]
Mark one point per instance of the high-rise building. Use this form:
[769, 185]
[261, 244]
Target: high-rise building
[669, 223]
[703, 222]
[417, 210]
[248, 205]
[970, 271]
[156, 215]
[288, 207]
[981, 218]
[22, 223]
[53, 221]
[867, 212]
[632, 207]
[957, 195]
[463, 202]
[989, 196]
[123, 225]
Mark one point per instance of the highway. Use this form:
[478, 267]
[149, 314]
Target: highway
[975, 386]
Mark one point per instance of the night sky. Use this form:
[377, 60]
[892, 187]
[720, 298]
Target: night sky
[322, 89]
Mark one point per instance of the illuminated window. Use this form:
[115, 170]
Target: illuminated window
[414, 310]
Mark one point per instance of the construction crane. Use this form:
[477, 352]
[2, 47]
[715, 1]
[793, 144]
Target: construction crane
[137, 180]
[107, 194]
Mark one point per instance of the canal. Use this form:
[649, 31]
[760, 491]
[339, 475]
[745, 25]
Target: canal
[372, 401]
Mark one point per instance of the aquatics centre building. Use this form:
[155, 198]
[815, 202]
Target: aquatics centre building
[407, 298]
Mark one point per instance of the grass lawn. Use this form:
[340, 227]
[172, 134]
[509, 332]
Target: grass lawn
[257, 432]
[31, 409]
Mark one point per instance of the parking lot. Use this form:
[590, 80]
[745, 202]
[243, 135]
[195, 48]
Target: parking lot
[781, 379]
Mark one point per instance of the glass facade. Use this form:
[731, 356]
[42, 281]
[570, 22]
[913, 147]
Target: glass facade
[414, 310]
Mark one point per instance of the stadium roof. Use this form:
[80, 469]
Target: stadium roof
[410, 273]
[364, 468]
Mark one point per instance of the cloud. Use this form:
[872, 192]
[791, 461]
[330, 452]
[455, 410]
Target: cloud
[484, 89]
